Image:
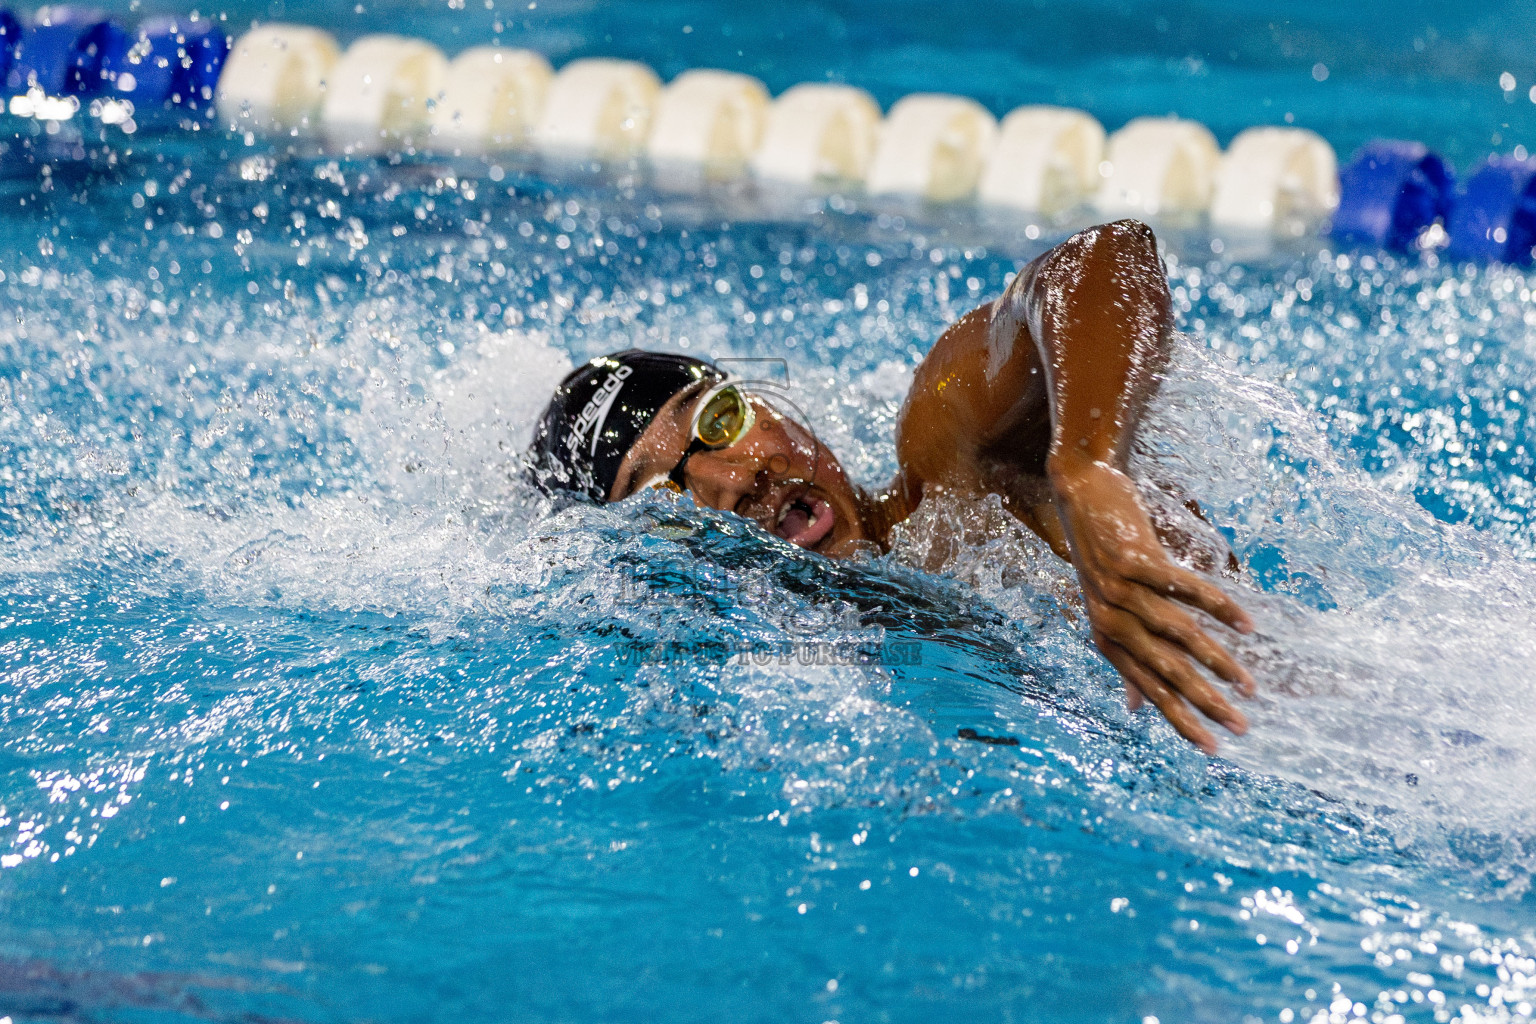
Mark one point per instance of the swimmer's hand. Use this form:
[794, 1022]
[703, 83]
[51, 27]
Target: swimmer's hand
[1134, 591]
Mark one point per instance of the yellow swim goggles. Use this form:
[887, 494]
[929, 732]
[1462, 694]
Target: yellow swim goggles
[721, 418]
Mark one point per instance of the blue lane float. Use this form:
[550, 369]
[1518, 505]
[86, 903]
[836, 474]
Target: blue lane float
[10, 35]
[1494, 218]
[170, 62]
[61, 56]
[206, 46]
[1390, 192]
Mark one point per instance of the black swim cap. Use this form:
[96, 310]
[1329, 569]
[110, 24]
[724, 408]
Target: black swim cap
[599, 411]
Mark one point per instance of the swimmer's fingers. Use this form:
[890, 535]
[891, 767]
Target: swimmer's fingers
[1167, 620]
[1139, 584]
[1173, 668]
[1178, 713]
[1131, 586]
[1169, 664]
[1111, 534]
[1160, 575]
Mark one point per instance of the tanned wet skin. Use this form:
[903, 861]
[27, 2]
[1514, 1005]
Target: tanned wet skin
[1036, 398]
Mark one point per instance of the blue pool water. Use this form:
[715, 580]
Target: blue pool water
[309, 711]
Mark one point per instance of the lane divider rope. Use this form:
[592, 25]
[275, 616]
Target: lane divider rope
[389, 92]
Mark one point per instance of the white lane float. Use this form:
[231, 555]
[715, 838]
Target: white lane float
[380, 92]
[1046, 160]
[492, 99]
[1283, 180]
[713, 119]
[933, 146]
[598, 108]
[275, 77]
[1159, 166]
[389, 91]
[818, 133]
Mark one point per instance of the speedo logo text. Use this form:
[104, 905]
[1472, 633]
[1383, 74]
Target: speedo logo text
[595, 412]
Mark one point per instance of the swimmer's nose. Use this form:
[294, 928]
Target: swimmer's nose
[722, 479]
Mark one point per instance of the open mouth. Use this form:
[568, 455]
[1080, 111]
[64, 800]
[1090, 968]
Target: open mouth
[804, 520]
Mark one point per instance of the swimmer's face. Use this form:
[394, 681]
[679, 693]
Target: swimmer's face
[777, 474]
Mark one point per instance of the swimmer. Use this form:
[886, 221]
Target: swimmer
[1035, 398]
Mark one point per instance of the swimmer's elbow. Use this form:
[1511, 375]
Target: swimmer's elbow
[1114, 241]
[1105, 267]
[1129, 234]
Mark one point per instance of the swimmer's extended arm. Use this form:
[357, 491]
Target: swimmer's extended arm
[1048, 385]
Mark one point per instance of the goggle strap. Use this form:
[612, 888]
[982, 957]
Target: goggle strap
[676, 476]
